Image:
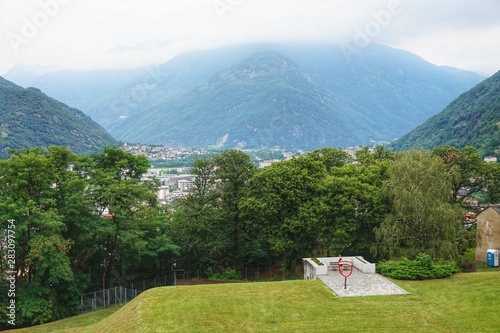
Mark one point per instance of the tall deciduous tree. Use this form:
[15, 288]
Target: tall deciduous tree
[196, 222]
[491, 177]
[365, 156]
[421, 219]
[127, 205]
[350, 203]
[350, 209]
[233, 170]
[463, 166]
[331, 157]
[207, 223]
[29, 190]
[280, 207]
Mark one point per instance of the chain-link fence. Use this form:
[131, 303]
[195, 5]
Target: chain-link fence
[104, 298]
[120, 295]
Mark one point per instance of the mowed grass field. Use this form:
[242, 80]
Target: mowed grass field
[464, 303]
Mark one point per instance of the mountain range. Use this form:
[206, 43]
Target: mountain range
[265, 101]
[264, 95]
[473, 119]
[29, 118]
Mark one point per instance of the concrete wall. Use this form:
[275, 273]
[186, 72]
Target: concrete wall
[488, 232]
[358, 262]
[363, 265]
[311, 269]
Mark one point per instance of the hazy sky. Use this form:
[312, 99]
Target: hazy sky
[86, 34]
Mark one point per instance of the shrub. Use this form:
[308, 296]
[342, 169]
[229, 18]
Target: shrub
[317, 261]
[422, 268]
[468, 266]
[227, 274]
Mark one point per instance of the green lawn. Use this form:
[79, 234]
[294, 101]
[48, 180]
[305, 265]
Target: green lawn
[463, 303]
[70, 324]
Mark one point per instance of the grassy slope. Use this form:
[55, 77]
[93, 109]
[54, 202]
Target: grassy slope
[70, 324]
[464, 303]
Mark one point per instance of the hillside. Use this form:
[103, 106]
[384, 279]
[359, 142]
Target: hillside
[393, 90]
[462, 303]
[473, 119]
[265, 101]
[398, 89]
[29, 118]
[6, 83]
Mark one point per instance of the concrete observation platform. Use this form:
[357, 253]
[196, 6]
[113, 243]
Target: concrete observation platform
[360, 283]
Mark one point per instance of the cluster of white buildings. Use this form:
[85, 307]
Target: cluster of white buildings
[172, 185]
[161, 153]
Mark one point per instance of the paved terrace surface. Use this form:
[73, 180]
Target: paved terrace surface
[360, 284]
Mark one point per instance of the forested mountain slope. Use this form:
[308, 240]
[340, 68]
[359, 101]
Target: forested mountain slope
[473, 119]
[29, 118]
[392, 91]
[266, 101]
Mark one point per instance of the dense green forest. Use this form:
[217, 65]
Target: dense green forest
[79, 222]
[83, 223]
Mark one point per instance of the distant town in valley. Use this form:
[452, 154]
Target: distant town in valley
[160, 155]
[171, 166]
